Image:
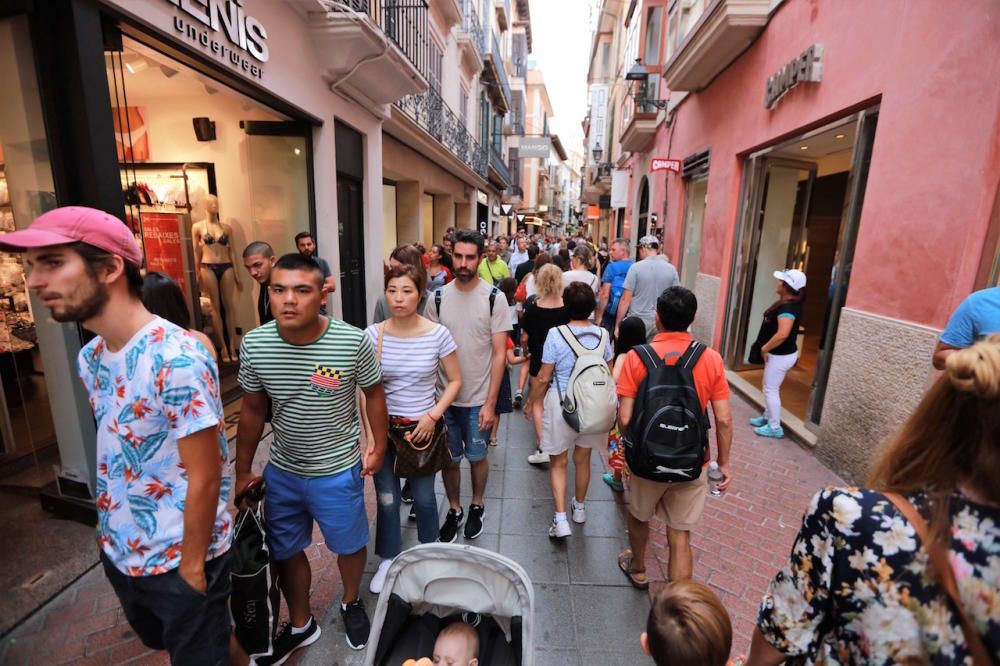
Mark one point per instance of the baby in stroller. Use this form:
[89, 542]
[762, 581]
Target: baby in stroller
[456, 645]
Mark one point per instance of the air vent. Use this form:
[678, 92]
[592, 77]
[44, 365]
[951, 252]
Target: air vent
[696, 166]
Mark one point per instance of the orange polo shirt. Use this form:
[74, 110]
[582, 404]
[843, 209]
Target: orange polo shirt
[709, 372]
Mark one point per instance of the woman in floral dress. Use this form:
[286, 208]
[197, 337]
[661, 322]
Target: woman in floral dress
[858, 588]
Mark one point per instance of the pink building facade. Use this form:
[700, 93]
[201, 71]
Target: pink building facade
[876, 172]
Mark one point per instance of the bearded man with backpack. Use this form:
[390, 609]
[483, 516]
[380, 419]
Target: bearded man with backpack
[664, 391]
[577, 387]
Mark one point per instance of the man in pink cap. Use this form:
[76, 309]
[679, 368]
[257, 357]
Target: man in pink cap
[162, 479]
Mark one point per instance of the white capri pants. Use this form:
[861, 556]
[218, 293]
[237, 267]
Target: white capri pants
[775, 369]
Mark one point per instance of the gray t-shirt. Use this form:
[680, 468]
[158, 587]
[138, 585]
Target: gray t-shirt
[467, 316]
[647, 279]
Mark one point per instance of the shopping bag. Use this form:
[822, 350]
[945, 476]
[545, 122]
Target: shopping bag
[255, 599]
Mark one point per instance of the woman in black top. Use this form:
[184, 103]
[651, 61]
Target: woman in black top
[776, 347]
[542, 313]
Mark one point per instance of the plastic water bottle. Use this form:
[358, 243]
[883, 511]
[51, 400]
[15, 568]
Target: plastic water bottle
[715, 477]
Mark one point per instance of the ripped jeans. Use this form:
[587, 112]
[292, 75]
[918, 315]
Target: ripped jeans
[388, 540]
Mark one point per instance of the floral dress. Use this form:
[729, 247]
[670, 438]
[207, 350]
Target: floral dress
[856, 590]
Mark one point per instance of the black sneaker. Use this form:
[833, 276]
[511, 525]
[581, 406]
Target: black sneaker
[286, 643]
[413, 512]
[449, 531]
[406, 494]
[356, 624]
[474, 525]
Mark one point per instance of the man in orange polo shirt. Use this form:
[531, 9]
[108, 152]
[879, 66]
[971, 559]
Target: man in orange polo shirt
[678, 504]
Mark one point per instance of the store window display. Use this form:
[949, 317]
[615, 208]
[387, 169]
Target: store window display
[217, 276]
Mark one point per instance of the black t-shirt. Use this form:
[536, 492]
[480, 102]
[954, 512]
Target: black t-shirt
[536, 323]
[264, 305]
[769, 326]
[522, 269]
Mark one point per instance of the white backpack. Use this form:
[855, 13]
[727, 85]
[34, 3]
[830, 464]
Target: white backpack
[591, 400]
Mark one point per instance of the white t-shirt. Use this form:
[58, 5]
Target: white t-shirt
[410, 368]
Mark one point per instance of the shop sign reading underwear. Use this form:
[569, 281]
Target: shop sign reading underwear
[223, 28]
[808, 66]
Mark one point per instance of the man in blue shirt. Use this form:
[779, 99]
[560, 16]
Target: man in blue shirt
[977, 317]
[612, 283]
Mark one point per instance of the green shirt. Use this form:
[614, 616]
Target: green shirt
[313, 389]
[493, 271]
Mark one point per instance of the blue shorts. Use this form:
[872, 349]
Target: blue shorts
[465, 438]
[336, 502]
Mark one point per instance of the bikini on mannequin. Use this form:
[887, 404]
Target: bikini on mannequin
[213, 252]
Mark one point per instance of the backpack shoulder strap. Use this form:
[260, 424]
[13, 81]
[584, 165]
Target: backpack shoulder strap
[576, 346]
[692, 355]
[493, 298]
[648, 356]
[437, 301]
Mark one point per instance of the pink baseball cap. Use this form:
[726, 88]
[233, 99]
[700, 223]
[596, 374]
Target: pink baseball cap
[72, 224]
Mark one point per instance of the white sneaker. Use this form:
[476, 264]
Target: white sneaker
[538, 458]
[579, 514]
[560, 530]
[378, 580]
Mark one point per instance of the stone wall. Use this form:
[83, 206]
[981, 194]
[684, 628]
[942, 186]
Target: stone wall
[706, 289]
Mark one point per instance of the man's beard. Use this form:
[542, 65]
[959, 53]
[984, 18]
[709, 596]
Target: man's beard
[91, 305]
[463, 276]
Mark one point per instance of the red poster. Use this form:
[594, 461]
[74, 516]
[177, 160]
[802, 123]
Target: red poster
[161, 237]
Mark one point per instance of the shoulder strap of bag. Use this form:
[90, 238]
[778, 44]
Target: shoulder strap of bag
[944, 575]
[691, 355]
[493, 298]
[437, 301]
[648, 356]
[381, 334]
[576, 346]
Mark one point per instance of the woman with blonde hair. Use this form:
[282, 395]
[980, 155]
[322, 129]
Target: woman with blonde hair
[542, 313]
[904, 571]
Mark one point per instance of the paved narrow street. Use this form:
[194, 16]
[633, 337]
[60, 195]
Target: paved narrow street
[586, 611]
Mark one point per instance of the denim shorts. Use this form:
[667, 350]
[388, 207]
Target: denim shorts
[293, 502]
[465, 438]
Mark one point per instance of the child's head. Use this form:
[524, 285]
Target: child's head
[508, 286]
[457, 645]
[631, 333]
[688, 626]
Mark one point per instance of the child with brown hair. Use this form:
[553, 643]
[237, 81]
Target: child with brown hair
[688, 626]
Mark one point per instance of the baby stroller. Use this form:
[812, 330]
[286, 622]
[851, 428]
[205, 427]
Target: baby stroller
[434, 584]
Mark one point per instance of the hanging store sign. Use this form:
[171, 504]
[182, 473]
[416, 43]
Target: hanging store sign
[808, 66]
[619, 188]
[223, 28]
[665, 164]
[593, 212]
[483, 227]
[534, 146]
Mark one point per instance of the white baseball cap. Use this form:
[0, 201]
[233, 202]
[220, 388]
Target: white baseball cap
[650, 241]
[793, 278]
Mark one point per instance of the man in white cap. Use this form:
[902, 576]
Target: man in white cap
[162, 470]
[645, 281]
[777, 347]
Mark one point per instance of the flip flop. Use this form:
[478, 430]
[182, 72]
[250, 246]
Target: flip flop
[633, 574]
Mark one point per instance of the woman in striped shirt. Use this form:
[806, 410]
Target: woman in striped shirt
[413, 351]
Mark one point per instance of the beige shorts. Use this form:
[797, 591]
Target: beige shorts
[679, 505]
[558, 436]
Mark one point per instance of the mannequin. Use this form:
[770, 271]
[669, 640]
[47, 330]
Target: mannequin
[217, 275]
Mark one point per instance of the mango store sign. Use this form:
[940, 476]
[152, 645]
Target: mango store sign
[665, 164]
[224, 29]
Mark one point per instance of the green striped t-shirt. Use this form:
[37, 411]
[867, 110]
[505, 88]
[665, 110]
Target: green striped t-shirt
[313, 389]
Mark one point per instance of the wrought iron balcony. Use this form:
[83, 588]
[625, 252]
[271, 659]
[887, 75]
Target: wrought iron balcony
[431, 113]
[470, 36]
[498, 165]
[494, 74]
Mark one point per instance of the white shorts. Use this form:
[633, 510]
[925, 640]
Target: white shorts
[558, 436]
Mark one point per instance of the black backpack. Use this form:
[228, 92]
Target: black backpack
[668, 434]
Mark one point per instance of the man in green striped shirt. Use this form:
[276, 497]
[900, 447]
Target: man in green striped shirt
[311, 366]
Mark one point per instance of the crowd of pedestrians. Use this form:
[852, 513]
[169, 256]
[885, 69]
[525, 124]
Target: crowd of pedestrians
[902, 571]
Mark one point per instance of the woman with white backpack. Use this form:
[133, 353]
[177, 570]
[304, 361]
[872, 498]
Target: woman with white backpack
[579, 405]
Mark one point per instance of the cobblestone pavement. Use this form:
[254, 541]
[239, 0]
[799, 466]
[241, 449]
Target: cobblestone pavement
[586, 611]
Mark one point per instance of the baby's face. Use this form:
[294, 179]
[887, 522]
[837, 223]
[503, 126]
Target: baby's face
[453, 651]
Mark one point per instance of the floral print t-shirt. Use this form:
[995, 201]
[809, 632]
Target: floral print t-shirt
[857, 589]
[160, 387]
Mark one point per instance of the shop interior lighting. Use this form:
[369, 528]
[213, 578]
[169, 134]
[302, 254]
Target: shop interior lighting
[167, 71]
[803, 147]
[298, 151]
[839, 136]
[135, 63]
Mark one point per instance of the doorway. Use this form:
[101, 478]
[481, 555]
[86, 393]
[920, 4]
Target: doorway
[802, 204]
[694, 218]
[642, 221]
[350, 222]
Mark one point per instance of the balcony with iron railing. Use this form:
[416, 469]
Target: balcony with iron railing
[350, 40]
[469, 37]
[494, 74]
[499, 168]
[430, 112]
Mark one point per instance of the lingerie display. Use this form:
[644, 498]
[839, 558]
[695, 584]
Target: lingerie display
[218, 269]
[222, 240]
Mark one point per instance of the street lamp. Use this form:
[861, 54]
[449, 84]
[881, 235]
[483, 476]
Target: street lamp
[597, 152]
[639, 76]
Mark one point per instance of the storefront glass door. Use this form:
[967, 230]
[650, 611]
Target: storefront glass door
[694, 218]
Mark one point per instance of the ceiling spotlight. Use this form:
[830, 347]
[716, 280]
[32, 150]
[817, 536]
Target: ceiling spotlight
[298, 151]
[803, 147]
[839, 136]
[135, 63]
[167, 71]
[210, 90]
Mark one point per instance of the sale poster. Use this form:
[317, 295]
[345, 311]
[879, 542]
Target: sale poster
[161, 238]
[131, 138]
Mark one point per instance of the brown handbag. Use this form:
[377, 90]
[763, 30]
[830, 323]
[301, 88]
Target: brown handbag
[943, 574]
[413, 459]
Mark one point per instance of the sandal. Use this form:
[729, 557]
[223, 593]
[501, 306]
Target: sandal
[492, 442]
[635, 576]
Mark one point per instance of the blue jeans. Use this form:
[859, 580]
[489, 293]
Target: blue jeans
[388, 541]
[465, 438]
